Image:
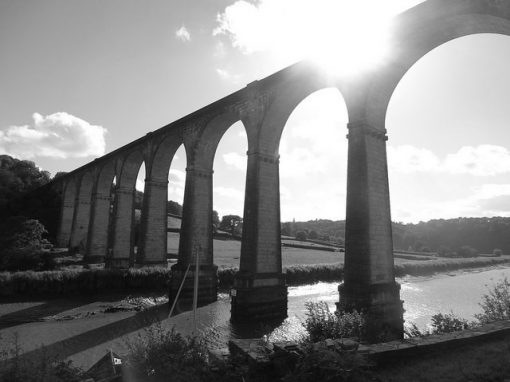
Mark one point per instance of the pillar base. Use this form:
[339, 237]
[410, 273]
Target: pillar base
[146, 264]
[117, 263]
[258, 297]
[382, 307]
[94, 259]
[207, 285]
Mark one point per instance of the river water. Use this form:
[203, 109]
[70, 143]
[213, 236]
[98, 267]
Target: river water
[459, 292]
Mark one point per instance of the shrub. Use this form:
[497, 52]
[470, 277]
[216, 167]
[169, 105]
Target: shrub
[467, 251]
[165, 355]
[301, 235]
[321, 323]
[496, 303]
[15, 366]
[448, 323]
[497, 252]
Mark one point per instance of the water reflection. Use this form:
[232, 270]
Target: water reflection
[423, 297]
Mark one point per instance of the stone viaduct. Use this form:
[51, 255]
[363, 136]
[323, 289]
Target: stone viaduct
[99, 217]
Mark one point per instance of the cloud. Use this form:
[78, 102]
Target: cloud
[410, 159]
[58, 135]
[482, 160]
[183, 34]
[226, 75]
[235, 160]
[296, 27]
[177, 176]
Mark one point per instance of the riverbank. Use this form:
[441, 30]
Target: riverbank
[79, 282]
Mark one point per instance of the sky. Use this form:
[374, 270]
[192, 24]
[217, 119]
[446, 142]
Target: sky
[79, 79]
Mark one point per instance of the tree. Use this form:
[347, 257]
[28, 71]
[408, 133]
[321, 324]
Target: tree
[215, 218]
[174, 208]
[313, 235]
[232, 224]
[301, 235]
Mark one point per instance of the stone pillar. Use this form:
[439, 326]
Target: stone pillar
[196, 236]
[369, 282]
[123, 221]
[154, 224]
[66, 219]
[81, 219]
[259, 289]
[97, 243]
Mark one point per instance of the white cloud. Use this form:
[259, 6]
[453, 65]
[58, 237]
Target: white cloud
[58, 135]
[140, 185]
[293, 28]
[409, 159]
[183, 34]
[229, 192]
[235, 160]
[226, 75]
[482, 160]
[177, 176]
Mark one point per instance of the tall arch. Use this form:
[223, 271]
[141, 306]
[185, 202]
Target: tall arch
[122, 255]
[97, 243]
[81, 216]
[196, 228]
[153, 243]
[260, 286]
[69, 193]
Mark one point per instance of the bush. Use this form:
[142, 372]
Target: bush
[448, 323]
[497, 252]
[322, 324]
[496, 303]
[467, 251]
[16, 367]
[165, 355]
[301, 235]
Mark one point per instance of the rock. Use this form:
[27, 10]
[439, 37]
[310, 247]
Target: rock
[348, 344]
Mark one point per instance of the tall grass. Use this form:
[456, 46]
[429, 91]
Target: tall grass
[91, 281]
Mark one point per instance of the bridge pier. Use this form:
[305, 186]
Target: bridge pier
[259, 290]
[122, 246]
[196, 238]
[97, 243]
[81, 217]
[66, 214]
[369, 282]
[153, 236]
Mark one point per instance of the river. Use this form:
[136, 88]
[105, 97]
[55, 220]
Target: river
[458, 292]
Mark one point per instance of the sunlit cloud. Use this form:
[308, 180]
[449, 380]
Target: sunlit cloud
[226, 75]
[343, 34]
[482, 160]
[58, 135]
[183, 34]
[235, 160]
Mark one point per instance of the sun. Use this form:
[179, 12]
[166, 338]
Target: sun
[349, 39]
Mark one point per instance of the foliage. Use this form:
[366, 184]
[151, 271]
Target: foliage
[21, 243]
[161, 355]
[232, 224]
[174, 208]
[321, 323]
[301, 235]
[467, 251]
[497, 252]
[329, 365]
[15, 366]
[448, 323]
[215, 218]
[496, 303]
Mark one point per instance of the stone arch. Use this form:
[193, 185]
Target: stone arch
[97, 243]
[153, 240]
[70, 188]
[204, 150]
[81, 217]
[285, 101]
[122, 255]
[445, 22]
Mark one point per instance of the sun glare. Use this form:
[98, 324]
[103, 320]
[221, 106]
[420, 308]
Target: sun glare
[350, 39]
